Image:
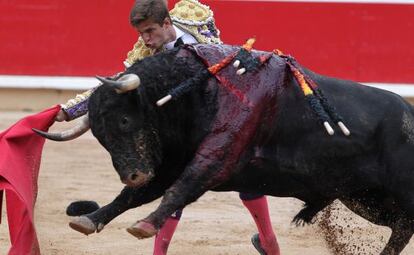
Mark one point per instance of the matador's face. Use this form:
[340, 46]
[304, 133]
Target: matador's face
[154, 34]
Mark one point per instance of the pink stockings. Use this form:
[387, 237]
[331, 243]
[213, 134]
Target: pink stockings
[164, 236]
[259, 210]
[257, 206]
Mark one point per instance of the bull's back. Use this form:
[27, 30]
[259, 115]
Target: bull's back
[301, 145]
[373, 115]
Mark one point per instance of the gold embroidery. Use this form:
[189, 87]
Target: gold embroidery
[79, 98]
[192, 11]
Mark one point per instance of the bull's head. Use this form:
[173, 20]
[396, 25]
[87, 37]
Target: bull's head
[121, 127]
[141, 137]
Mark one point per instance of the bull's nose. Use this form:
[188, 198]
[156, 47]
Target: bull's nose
[136, 179]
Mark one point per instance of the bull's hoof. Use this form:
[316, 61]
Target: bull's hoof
[84, 225]
[142, 230]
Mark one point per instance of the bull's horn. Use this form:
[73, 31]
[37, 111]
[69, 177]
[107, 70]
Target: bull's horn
[124, 84]
[67, 135]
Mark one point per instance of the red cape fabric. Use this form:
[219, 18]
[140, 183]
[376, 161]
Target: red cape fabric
[20, 154]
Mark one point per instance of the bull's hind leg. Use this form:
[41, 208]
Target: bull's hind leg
[401, 235]
[374, 206]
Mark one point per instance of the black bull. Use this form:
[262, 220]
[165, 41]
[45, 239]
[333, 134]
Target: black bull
[253, 134]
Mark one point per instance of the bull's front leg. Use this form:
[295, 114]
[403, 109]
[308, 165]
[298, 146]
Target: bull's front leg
[217, 158]
[183, 192]
[128, 198]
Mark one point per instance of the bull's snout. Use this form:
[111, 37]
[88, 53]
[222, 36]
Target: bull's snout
[136, 179]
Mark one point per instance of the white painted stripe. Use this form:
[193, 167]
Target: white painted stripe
[84, 83]
[333, 1]
[47, 82]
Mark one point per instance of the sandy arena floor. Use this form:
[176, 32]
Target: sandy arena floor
[216, 224]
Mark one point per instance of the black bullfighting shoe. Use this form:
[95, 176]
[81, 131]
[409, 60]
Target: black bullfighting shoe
[256, 243]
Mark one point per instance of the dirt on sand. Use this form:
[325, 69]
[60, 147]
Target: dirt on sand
[216, 224]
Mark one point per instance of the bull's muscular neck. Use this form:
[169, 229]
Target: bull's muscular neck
[183, 122]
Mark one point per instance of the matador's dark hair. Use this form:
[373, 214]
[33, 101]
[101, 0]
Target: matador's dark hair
[155, 10]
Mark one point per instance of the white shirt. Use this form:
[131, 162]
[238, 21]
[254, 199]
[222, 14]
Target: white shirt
[186, 37]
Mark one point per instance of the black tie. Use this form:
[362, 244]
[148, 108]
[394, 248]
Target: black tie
[178, 42]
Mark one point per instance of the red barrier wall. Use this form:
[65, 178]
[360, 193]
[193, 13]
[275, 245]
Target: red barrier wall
[64, 37]
[363, 42]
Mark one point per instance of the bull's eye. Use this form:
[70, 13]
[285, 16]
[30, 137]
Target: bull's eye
[124, 122]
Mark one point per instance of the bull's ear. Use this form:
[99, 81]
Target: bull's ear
[124, 84]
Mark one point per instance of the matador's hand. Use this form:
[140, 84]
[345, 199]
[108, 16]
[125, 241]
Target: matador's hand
[61, 116]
